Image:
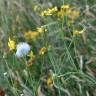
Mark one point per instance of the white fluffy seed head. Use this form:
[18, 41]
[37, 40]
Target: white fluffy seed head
[23, 49]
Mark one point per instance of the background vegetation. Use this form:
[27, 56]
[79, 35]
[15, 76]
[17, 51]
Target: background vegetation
[68, 65]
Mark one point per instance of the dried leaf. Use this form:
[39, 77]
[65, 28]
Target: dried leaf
[40, 93]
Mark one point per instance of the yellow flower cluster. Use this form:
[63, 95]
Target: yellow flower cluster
[32, 58]
[67, 11]
[11, 44]
[64, 10]
[49, 12]
[74, 14]
[32, 35]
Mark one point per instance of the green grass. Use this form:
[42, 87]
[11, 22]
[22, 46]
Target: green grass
[71, 61]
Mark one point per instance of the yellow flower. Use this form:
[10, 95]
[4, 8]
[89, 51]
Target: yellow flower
[42, 51]
[11, 44]
[41, 30]
[36, 7]
[31, 35]
[52, 10]
[61, 14]
[34, 34]
[65, 10]
[74, 14]
[49, 12]
[31, 55]
[50, 82]
[45, 13]
[32, 58]
[65, 7]
[78, 32]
